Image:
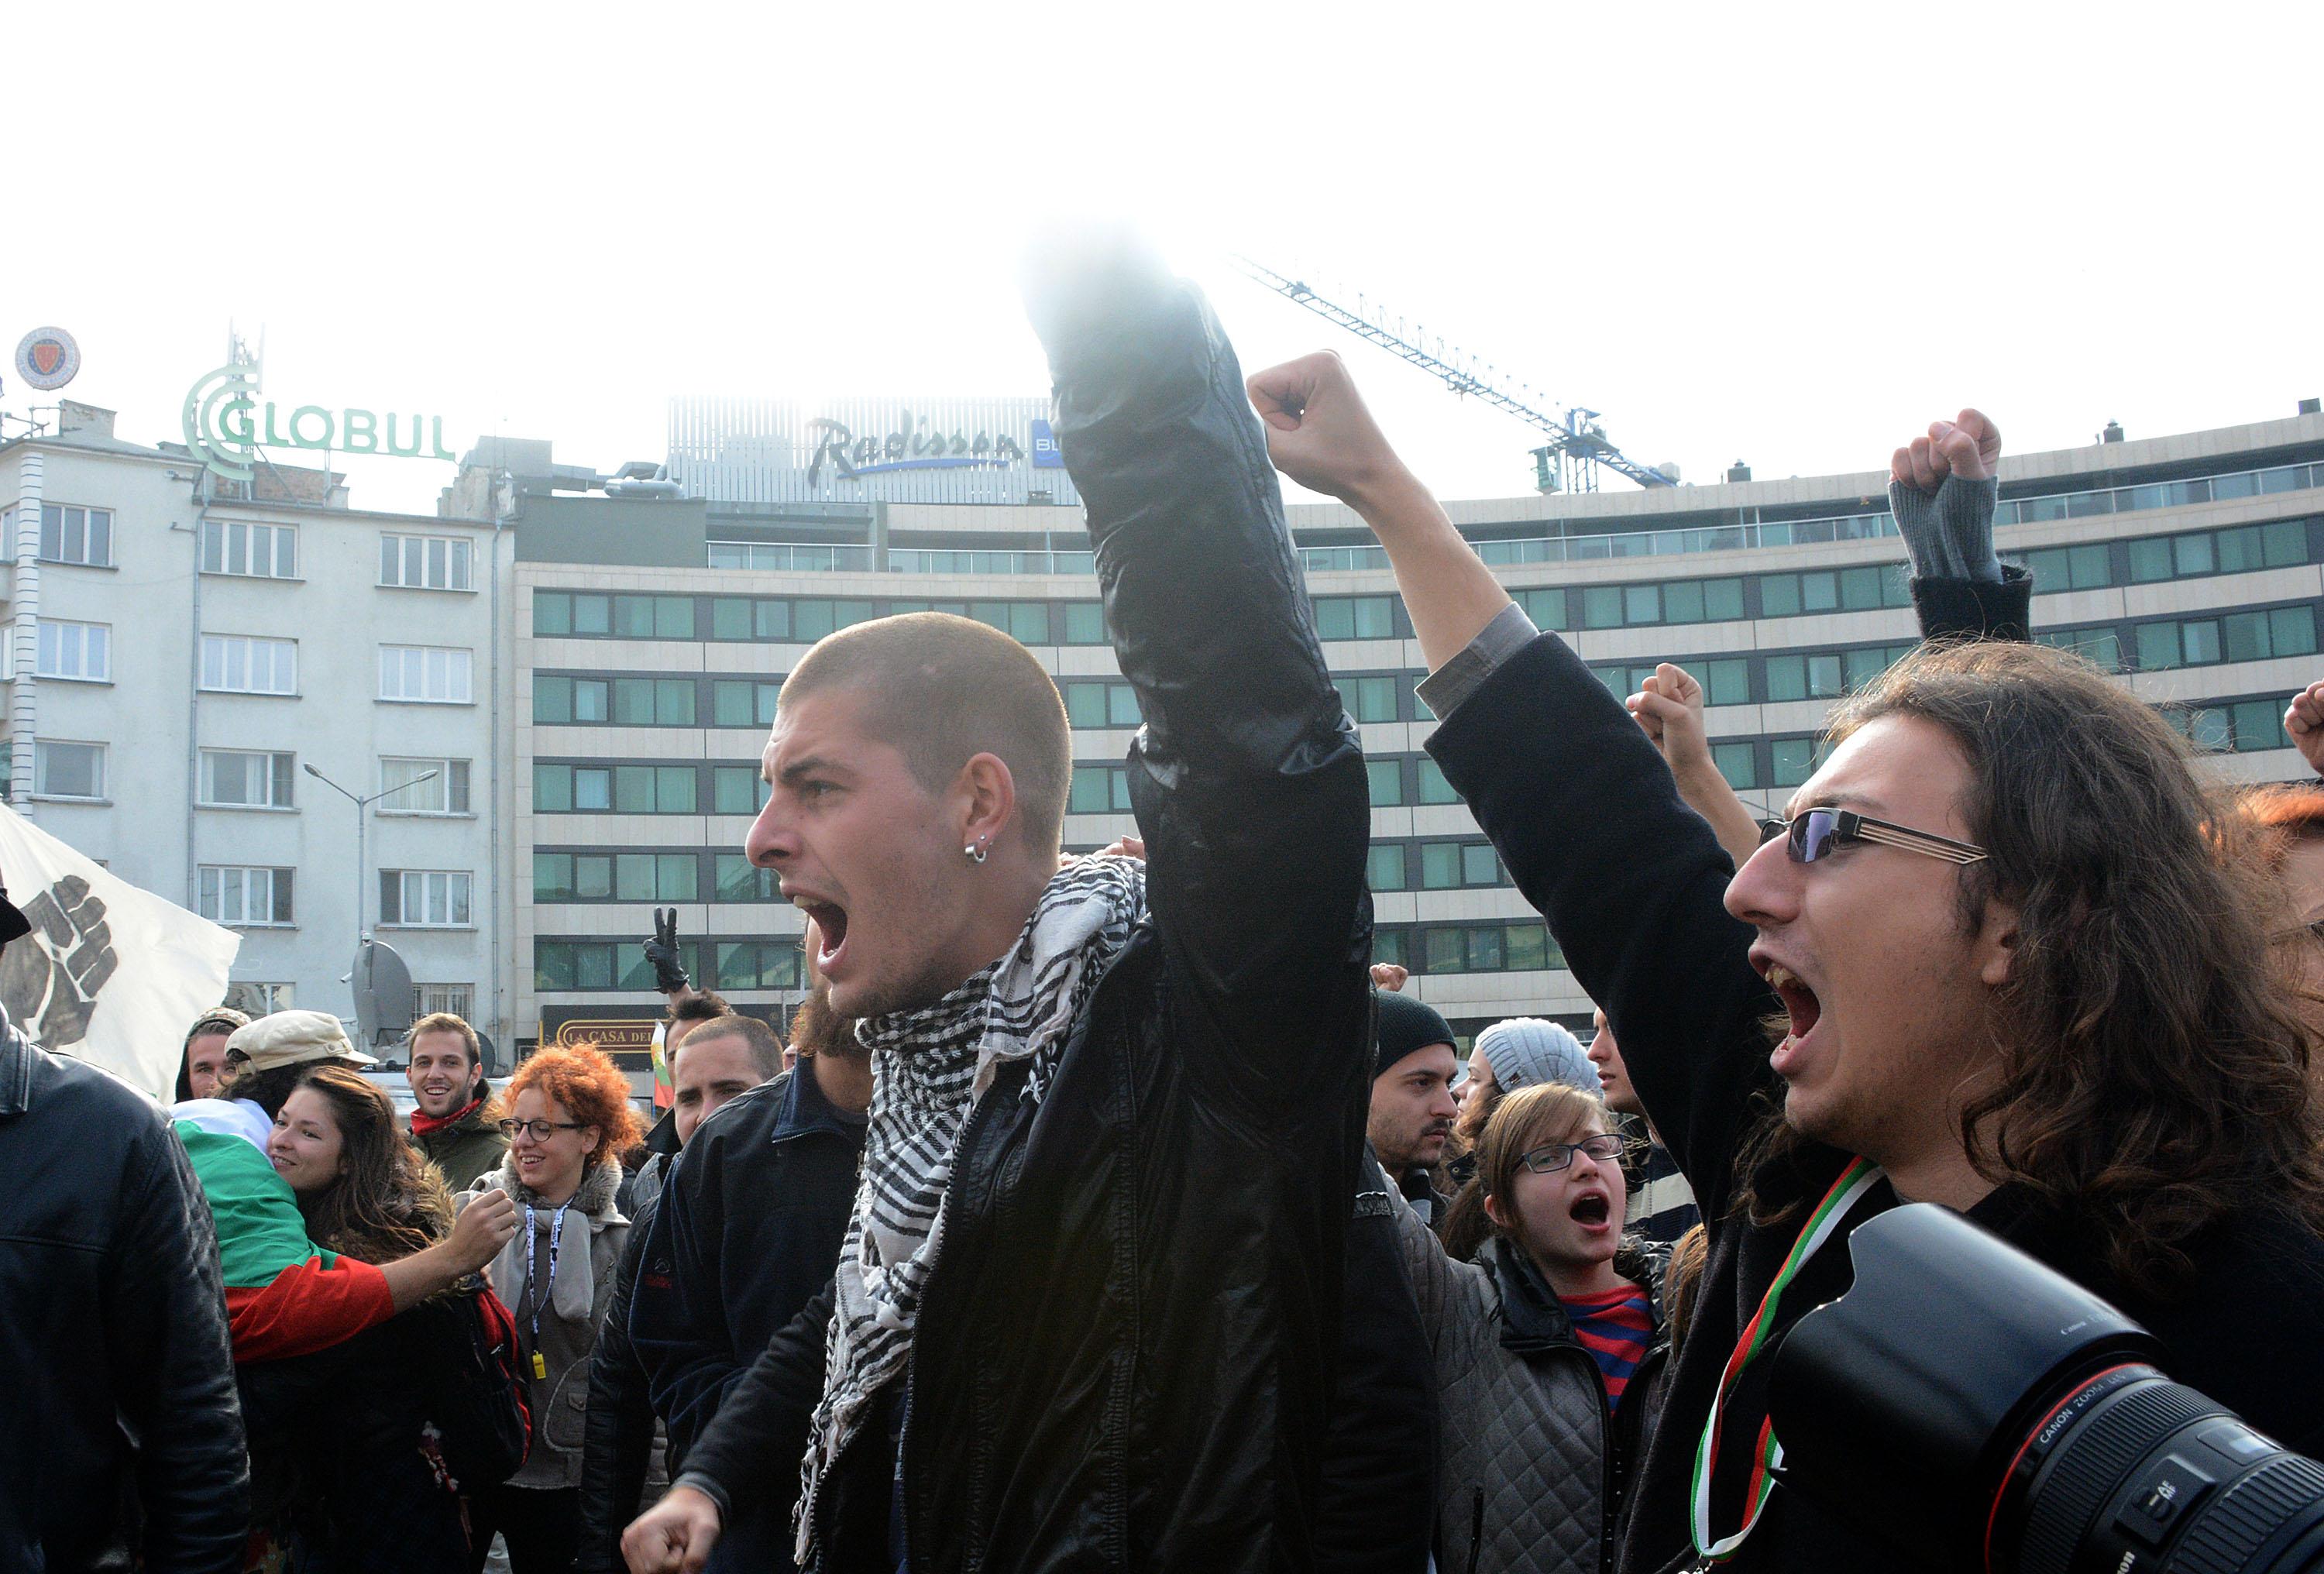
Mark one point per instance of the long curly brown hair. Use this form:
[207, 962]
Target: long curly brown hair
[388, 1201]
[2152, 1069]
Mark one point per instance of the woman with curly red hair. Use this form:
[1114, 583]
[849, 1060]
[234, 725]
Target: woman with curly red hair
[569, 1122]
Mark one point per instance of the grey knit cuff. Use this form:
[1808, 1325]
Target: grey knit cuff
[1949, 535]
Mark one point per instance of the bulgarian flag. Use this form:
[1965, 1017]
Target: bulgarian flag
[665, 1087]
[284, 1295]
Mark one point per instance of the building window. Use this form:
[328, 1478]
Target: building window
[2256, 636]
[1832, 589]
[611, 617]
[2089, 566]
[758, 965]
[733, 617]
[600, 964]
[1794, 759]
[1384, 870]
[255, 551]
[1545, 607]
[446, 792]
[77, 535]
[231, 778]
[459, 1000]
[1513, 947]
[68, 770]
[1369, 699]
[79, 651]
[812, 620]
[2241, 551]
[1085, 623]
[424, 898]
[2102, 647]
[1739, 763]
[1100, 704]
[740, 880]
[1433, 788]
[1098, 789]
[259, 999]
[743, 702]
[432, 675]
[427, 561]
[238, 664]
[1355, 617]
[622, 701]
[244, 897]
[618, 789]
[736, 789]
[1385, 779]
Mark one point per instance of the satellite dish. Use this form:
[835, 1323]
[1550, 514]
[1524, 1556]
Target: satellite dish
[385, 1000]
[490, 1055]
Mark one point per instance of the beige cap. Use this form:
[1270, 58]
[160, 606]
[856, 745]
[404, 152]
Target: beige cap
[289, 1038]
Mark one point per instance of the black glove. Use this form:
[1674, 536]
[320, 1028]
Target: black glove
[669, 972]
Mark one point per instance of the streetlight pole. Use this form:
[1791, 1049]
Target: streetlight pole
[363, 930]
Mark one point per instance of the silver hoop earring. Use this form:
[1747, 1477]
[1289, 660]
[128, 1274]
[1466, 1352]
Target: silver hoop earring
[977, 851]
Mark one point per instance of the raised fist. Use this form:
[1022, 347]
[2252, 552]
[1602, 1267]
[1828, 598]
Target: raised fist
[2304, 722]
[1968, 447]
[1318, 431]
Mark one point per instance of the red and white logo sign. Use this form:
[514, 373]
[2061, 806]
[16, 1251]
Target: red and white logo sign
[47, 358]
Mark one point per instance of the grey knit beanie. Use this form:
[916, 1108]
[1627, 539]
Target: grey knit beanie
[1525, 1052]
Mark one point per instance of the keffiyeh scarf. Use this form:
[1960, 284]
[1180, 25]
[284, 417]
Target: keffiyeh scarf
[929, 1069]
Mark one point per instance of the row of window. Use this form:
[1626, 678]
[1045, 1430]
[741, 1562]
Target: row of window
[241, 778]
[562, 788]
[619, 964]
[248, 664]
[561, 699]
[792, 620]
[250, 897]
[1433, 866]
[2192, 554]
[1517, 946]
[648, 877]
[1104, 789]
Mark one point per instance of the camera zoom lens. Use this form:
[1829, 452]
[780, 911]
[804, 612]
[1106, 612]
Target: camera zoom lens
[2136, 1473]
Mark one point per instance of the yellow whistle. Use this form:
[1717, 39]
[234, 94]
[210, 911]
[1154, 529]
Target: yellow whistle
[540, 1367]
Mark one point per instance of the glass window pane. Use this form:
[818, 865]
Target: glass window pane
[2283, 543]
[1440, 865]
[1602, 606]
[674, 702]
[593, 788]
[729, 618]
[1384, 870]
[1787, 677]
[552, 700]
[1528, 947]
[552, 788]
[1487, 951]
[593, 967]
[1737, 762]
[731, 703]
[1086, 705]
[1795, 760]
[1642, 603]
[1122, 705]
[674, 790]
[2258, 724]
[1444, 951]
[1388, 946]
[1683, 602]
[633, 876]
[1779, 595]
[2291, 631]
[593, 877]
[2150, 559]
[1090, 793]
[1375, 618]
[2158, 647]
[552, 877]
[593, 614]
[2246, 636]
[1433, 788]
[1820, 592]
[1479, 867]
[1029, 622]
[1722, 599]
[2191, 554]
[2199, 639]
[1825, 677]
[1084, 623]
[673, 617]
[2209, 729]
[1385, 778]
[633, 702]
[634, 789]
[1859, 589]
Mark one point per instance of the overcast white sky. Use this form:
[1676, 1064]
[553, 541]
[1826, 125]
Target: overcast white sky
[1790, 234]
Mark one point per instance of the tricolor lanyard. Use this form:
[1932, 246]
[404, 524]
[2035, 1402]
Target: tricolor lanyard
[1830, 1214]
[540, 1299]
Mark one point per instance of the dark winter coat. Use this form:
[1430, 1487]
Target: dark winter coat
[1124, 1359]
[746, 1233]
[113, 1334]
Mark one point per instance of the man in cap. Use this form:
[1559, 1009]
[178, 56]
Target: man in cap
[284, 1295]
[1412, 1107]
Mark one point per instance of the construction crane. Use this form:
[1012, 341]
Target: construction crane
[1577, 446]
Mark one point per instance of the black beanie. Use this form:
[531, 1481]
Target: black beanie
[1406, 1024]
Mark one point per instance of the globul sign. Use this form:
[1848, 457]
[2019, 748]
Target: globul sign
[225, 426]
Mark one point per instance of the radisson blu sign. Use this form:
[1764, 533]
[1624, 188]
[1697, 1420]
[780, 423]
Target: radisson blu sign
[869, 449]
[226, 425]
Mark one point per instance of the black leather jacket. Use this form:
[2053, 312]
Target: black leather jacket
[121, 1390]
[1125, 1356]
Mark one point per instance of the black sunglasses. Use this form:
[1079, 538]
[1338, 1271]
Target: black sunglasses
[1817, 832]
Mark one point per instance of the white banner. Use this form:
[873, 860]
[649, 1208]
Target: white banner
[110, 974]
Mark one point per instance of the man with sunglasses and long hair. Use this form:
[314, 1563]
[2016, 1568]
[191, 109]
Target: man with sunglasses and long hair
[2012, 972]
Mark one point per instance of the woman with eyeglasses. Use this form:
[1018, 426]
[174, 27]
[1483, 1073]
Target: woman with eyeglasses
[569, 1122]
[361, 1452]
[1545, 1347]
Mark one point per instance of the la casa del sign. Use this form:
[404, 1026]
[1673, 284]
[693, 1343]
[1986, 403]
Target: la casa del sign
[225, 425]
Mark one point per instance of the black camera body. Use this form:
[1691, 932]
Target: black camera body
[1974, 1410]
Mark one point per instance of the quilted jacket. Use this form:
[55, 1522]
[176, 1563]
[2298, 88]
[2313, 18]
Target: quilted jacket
[1531, 1463]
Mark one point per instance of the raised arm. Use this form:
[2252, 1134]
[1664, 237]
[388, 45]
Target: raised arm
[1943, 489]
[1582, 809]
[1669, 710]
[1247, 780]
